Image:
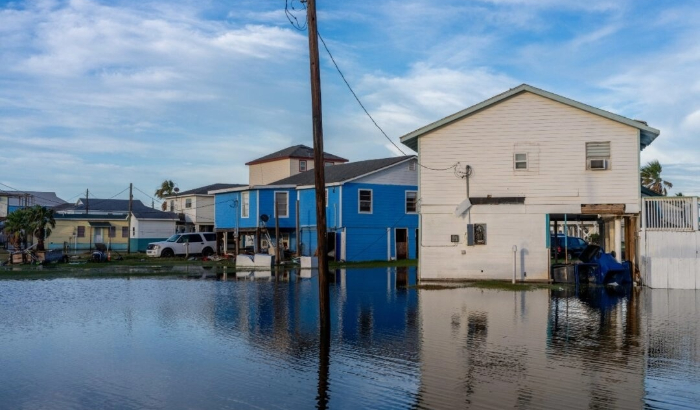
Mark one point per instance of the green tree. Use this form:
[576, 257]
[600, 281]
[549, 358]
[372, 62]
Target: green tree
[679, 193]
[40, 222]
[166, 188]
[651, 178]
[16, 228]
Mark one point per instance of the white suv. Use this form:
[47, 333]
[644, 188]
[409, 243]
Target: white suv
[183, 243]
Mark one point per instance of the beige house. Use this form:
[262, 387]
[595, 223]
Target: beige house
[523, 159]
[285, 163]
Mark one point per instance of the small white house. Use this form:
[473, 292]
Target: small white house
[524, 159]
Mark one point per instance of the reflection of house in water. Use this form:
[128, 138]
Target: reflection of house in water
[522, 349]
[373, 322]
[672, 340]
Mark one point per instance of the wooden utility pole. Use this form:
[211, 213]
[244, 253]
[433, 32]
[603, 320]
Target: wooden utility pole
[87, 201]
[131, 200]
[320, 178]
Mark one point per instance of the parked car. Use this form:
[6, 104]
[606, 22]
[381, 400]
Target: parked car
[183, 243]
[561, 245]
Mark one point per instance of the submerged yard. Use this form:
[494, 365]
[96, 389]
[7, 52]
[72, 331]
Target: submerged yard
[193, 336]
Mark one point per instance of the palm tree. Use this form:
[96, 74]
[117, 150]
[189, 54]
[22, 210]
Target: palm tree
[16, 228]
[651, 178]
[166, 188]
[40, 221]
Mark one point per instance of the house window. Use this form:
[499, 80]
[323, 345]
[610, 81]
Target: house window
[365, 201]
[112, 231]
[125, 231]
[326, 197]
[302, 166]
[520, 161]
[81, 232]
[598, 155]
[412, 165]
[411, 202]
[328, 163]
[245, 204]
[188, 203]
[282, 204]
[172, 206]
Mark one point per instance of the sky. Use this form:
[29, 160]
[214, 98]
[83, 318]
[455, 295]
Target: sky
[99, 94]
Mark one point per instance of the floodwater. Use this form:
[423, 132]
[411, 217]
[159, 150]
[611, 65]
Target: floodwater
[222, 342]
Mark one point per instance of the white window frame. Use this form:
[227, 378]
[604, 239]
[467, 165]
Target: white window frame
[305, 165]
[274, 198]
[412, 165]
[326, 197]
[245, 204]
[406, 202]
[188, 203]
[359, 201]
[516, 161]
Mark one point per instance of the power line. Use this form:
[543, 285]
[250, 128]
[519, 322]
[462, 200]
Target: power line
[30, 194]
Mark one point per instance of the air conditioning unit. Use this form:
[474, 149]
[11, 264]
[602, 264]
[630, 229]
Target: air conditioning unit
[598, 164]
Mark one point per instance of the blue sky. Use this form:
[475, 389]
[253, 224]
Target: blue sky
[97, 94]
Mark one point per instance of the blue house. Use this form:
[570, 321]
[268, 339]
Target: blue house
[371, 211]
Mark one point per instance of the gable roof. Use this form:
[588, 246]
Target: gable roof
[343, 172]
[297, 151]
[46, 199]
[204, 190]
[647, 133]
[106, 205]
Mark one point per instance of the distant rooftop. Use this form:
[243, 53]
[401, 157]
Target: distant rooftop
[204, 190]
[297, 152]
[113, 206]
[342, 172]
[47, 199]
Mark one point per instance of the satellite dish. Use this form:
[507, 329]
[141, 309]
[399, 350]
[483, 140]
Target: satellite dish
[176, 190]
[264, 218]
[463, 207]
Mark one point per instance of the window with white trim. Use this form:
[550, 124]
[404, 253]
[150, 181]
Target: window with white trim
[520, 161]
[411, 202]
[365, 199]
[412, 165]
[326, 197]
[245, 204]
[302, 165]
[598, 155]
[188, 203]
[282, 203]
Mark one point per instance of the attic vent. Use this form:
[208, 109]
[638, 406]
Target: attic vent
[598, 155]
[412, 166]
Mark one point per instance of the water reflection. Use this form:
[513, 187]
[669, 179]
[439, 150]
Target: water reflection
[251, 340]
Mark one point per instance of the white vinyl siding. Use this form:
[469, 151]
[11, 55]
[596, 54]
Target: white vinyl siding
[556, 132]
[364, 201]
[245, 204]
[282, 203]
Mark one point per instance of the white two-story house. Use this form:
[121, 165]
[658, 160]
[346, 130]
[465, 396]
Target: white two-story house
[195, 207]
[523, 159]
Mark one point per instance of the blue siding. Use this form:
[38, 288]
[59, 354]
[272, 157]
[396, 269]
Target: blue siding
[226, 209]
[366, 235]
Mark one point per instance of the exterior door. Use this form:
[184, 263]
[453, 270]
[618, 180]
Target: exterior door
[98, 235]
[401, 243]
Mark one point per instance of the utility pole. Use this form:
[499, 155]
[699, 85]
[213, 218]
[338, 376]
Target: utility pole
[319, 174]
[131, 200]
[87, 201]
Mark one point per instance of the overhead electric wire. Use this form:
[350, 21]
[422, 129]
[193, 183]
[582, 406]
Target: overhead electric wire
[27, 193]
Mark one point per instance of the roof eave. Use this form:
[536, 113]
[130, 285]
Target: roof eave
[648, 133]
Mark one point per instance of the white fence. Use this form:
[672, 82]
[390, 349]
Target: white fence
[670, 243]
[670, 214]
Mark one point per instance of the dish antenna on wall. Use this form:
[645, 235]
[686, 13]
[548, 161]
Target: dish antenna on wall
[463, 207]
